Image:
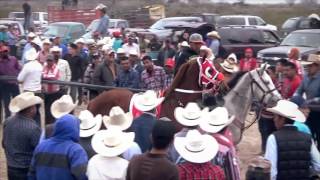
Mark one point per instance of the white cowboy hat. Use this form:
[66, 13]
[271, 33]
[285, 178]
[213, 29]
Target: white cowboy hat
[80, 40]
[62, 106]
[31, 55]
[100, 6]
[312, 58]
[55, 49]
[106, 48]
[90, 41]
[214, 34]
[289, 110]
[120, 51]
[37, 41]
[233, 57]
[117, 117]
[184, 44]
[190, 115]
[112, 142]
[196, 148]
[230, 67]
[89, 124]
[32, 35]
[147, 101]
[215, 120]
[46, 41]
[133, 52]
[23, 101]
[314, 16]
[101, 42]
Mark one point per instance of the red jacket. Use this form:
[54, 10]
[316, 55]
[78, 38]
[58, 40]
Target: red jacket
[290, 86]
[248, 64]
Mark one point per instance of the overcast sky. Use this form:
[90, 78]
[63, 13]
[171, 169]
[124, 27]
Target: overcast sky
[257, 1]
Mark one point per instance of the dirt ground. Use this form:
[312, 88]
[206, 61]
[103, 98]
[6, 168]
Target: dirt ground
[248, 148]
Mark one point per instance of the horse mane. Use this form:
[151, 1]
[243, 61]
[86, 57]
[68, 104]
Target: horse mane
[237, 76]
[179, 77]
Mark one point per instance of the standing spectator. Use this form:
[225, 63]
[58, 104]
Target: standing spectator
[214, 42]
[154, 164]
[51, 91]
[89, 125]
[4, 34]
[143, 43]
[198, 150]
[12, 40]
[21, 135]
[310, 86]
[76, 64]
[28, 22]
[291, 80]
[43, 54]
[294, 56]
[60, 156]
[248, 63]
[181, 47]
[153, 77]
[292, 153]
[168, 68]
[107, 71]
[83, 52]
[120, 54]
[103, 26]
[63, 66]
[89, 75]
[142, 126]
[195, 42]
[131, 46]
[9, 66]
[56, 41]
[127, 77]
[108, 163]
[165, 52]
[154, 44]
[136, 62]
[117, 43]
[30, 75]
[28, 46]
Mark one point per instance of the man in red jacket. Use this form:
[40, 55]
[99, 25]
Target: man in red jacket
[248, 63]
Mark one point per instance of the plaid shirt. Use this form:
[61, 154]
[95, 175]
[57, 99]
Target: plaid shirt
[155, 80]
[168, 80]
[204, 171]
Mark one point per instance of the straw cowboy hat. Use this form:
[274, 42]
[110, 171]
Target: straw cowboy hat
[46, 41]
[229, 66]
[147, 101]
[288, 110]
[184, 44]
[112, 142]
[23, 101]
[312, 58]
[55, 49]
[31, 55]
[37, 41]
[215, 120]
[100, 6]
[62, 106]
[190, 115]
[89, 124]
[214, 34]
[233, 58]
[117, 117]
[90, 41]
[31, 35]
[195, 147]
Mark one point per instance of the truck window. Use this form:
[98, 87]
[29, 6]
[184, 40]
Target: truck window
[226, 21]
[253, 21]
[269, 37]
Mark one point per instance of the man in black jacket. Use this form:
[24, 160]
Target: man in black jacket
[165, 52]
[196, 41]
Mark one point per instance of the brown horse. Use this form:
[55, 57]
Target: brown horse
[186, 78]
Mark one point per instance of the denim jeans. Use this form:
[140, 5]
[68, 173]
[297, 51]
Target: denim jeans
[266, 127]
[8, 91]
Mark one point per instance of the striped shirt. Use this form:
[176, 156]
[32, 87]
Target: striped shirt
[154, 80]
[193, 171]
[20, 137]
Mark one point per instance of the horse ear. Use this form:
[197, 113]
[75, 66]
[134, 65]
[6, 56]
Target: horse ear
[262, 69]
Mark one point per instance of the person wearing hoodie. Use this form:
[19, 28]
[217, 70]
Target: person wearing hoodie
[60, 157]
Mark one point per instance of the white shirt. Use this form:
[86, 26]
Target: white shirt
[107, 168]
[30, 76]
[64, 69]
[272, 156]
[134, 47]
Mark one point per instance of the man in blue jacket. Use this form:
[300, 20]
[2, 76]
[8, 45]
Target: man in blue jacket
[60, 157]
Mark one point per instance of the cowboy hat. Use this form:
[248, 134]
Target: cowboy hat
[55, 49]
[80, 40]
[90, 41]
[312, 58]
[112, 142]
[229, 66]
[233, 58]
[133, 52]
[23, 101]
[196, 38]
[195, 147]
[214, 34]
[89, 124]
[147, 101]
[46, 41]
[62, 106]
[184, 44]
[120, 51]
[100, 6]
[37, 41]
[189, 115]
[31, 35]
[288, 110]
[117, 117]
[101, 43]
[215, 120]
[31, 55]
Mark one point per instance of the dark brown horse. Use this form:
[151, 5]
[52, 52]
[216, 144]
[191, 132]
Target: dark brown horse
[186, 78]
